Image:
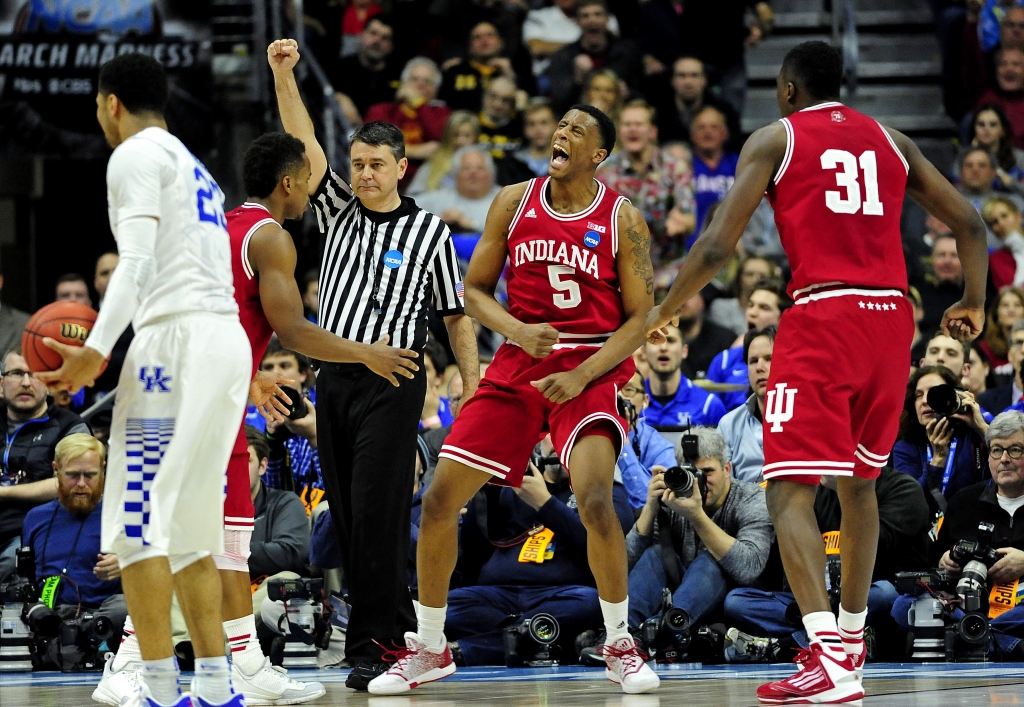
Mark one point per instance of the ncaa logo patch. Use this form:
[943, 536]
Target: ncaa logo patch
[393, 259]
[591, 239]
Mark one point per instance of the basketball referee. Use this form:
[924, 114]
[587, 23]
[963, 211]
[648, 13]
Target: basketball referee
[385, 262]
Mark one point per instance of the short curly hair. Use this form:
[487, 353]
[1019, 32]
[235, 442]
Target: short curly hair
[270, 157]
[137, 80]
[816, 65]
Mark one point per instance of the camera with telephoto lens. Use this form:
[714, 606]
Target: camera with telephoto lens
[666, 637]
[17, 594]
[682, 479]
[628, 411]
[305, 623]
[532, 642]
[542, 462]
[81, 643]
[946, 401]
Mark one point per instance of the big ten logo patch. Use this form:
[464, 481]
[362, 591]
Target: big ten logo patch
[72, 332]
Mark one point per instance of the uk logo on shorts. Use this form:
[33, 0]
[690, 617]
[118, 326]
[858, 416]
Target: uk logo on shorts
[393, 259]
[154, 380]
[778, 406]
[591, 239]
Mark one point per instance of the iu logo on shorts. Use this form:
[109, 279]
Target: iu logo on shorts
[778, 406]
[155, 381]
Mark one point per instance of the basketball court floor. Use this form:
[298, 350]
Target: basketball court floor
[900, 685]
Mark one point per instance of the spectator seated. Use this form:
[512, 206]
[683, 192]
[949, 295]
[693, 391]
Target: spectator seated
[742, 428]
[771, 612]
[538, 129]
[714, 168]
[674, 399]
[731, 312]
[509, 571]
[998, 502]
[647, 451]
[944, 286]
[462, 129]
[370, 75]
[715, 545]
[464, 208]
[32, 425]
[1003, 218]
[501, 125]
[690, 93]
[64, 534]
[943, 454]
[466, 78]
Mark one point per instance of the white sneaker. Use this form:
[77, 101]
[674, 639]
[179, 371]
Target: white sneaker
[142, 698]
[627, 666]
[414, 666]
[270, 685]
[117, 686]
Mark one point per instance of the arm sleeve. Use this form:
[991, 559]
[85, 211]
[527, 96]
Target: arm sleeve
[449, 297]
[331, 198]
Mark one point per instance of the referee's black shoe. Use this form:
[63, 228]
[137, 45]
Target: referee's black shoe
[363, 673]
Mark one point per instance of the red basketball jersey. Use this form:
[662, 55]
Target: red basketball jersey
[837, 198]
[242, 223]
[563, 269]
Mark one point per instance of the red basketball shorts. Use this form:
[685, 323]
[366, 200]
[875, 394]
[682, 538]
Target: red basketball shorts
[500, 425]
[835, 392]
[238, 508]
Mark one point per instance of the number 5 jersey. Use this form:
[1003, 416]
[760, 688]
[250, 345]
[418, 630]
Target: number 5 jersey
[562, 266]
[848, 230]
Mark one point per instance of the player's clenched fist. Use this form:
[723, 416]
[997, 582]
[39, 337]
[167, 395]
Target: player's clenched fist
[962, 322]
[562, 387]
[283, 54]
[538, 340]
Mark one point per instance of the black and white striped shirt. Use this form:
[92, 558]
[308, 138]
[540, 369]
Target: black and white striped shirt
[381, 270]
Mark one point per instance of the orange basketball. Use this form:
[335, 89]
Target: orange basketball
[66, 322]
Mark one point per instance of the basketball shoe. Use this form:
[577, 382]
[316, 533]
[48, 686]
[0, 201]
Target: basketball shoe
[413, 666]
[820, 679]
[627, 666]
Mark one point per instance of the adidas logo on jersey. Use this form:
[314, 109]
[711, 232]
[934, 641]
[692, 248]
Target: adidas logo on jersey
[530, 214]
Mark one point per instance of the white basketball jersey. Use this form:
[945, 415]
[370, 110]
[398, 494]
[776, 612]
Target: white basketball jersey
[153, 174]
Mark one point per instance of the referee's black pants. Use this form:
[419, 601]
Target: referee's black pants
[366, 435]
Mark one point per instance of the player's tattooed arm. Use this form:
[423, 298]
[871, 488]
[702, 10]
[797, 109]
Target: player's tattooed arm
[640, 248]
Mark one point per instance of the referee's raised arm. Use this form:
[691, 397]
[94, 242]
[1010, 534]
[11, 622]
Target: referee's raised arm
[283, 55]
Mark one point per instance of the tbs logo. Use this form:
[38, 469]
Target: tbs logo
[591, 239]
[393, 259]
[73, 331]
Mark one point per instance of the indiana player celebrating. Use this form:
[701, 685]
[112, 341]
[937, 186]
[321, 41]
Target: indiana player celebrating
[581, 280]
[276, 173]
[836, 179]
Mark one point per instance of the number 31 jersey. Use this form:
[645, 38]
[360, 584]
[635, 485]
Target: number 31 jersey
[563, 266]
[153, 175]
[837, 197]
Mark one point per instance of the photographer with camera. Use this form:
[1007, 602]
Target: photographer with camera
[742, 428]
[718, 534]
[31, 426]
[76, 580]
[647, 450]
[965, 544]
[941, 435]
[770, 611]
[524, 553]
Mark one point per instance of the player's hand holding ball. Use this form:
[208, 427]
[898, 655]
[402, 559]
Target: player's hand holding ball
[53, 346]
[538, 340]
[963, 322]
[283, 54]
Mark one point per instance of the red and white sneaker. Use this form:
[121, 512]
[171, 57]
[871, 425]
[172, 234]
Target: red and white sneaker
[414, 666]
[821, 679]
[627, 666]
[858, 660]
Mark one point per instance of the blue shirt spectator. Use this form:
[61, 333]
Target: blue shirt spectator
[714, 169]
[729, 367]
[673, 398]
[635, 469]
[742, 428]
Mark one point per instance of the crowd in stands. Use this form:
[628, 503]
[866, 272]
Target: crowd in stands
[477, 104]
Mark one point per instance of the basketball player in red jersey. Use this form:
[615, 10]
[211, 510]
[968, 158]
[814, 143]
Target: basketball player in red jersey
[580, 285]
[836, 179]
[276, 172]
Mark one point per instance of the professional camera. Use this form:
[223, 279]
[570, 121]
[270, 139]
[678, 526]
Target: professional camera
[946, 401]
[81, 643]
[543, 462]
[628, 411]
[16, 648]
[297, 410]
[532, 642]
[666, 637]
[683, 478]
[308, 622]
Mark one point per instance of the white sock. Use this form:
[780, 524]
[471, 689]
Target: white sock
[851, 630]
[821, 629]
[128, 651]
[616, 620]
[213, 679]
[161, 677]
[430, 626]
[245, 647]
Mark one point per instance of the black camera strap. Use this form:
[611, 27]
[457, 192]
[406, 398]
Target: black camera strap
[673, 578]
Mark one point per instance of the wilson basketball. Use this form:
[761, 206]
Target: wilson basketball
[66, 322]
